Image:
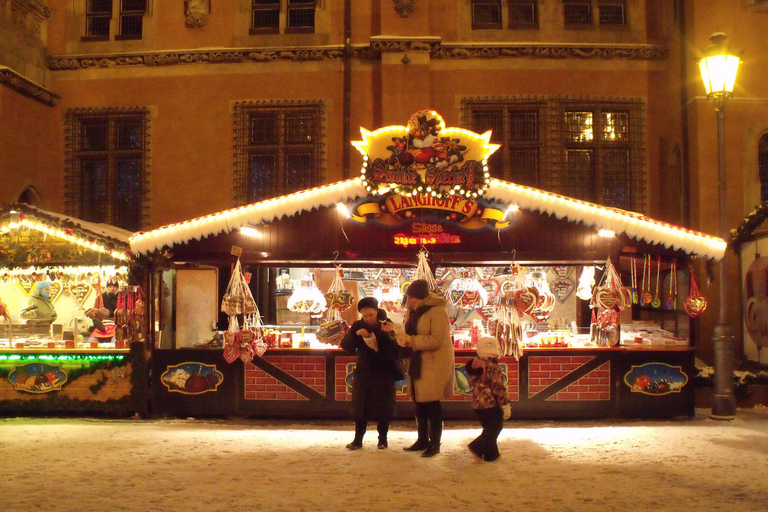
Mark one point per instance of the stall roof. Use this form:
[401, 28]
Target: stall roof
[631, 224]
[103, 238]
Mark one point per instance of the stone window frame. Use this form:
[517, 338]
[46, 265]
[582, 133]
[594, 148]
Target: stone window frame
[281, 148]
[76, 155]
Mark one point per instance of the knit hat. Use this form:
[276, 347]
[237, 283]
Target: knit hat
[418, 289]
[42, 285]
[367, 302]
[488, 346]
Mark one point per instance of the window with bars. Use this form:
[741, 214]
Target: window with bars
[612, 12]
[762, 166]
[577, 12]
[523, 14]
[486, 14]
[278, 149]
[587, 149]
[106, 175]
[100, 13]
[283, 16]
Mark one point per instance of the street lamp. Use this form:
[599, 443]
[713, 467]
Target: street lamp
[718, 71]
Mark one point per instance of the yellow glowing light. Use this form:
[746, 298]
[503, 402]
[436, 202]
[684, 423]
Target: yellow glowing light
[606, 233]
[342, 209]
[250, 232]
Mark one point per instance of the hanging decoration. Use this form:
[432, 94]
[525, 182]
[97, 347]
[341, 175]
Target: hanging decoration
[424, 272]
[466, 292]
[610, 293]
[390, 298]
[656, 303]
[506, 322]
[647, 298]
[695, 304]
[241, 343]
[672, 299]
[338, 297]
[237, 298]
[586, 283]
[307, 298]
[633, 275]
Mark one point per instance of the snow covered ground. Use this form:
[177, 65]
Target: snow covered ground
[217, 465]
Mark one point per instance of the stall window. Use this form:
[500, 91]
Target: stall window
[106, 166]
[486, 14]
[128, 15]
[577, 12]
[612, 12]
[762, 166]
[278, 150]
[523, 14]
[591, 150]
[286, 16]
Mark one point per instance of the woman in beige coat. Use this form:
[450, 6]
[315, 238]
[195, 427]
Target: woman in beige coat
[431, 373]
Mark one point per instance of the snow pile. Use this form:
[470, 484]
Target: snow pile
[79, 464]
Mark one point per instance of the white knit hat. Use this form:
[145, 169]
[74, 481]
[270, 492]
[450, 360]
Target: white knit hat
[488, 346]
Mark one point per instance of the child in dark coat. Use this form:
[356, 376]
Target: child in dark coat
[489, 398]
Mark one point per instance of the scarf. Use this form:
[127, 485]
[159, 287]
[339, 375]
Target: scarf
[414, 366]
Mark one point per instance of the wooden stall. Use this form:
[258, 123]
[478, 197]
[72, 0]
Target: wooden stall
[51, 270]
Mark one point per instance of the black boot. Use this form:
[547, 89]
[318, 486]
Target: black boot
[435, 433]
[422, 441]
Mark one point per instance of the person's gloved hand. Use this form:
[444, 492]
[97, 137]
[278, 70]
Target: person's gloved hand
[506, 411]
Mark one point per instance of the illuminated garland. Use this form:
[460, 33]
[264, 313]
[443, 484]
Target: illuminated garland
[62, 234]
[107, 271]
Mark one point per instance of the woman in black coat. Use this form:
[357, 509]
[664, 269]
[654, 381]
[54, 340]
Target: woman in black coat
[373, 384]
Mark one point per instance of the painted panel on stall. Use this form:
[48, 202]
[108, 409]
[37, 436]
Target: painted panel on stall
[37, 378]
[656, 379]
[192, 378]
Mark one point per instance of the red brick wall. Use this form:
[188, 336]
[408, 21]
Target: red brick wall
[310, 370]
[513, 384]
[593, 386]
[544, 371]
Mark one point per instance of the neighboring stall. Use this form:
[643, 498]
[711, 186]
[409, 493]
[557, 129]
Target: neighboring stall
[52, 269]
[750, 241]
[492, 245]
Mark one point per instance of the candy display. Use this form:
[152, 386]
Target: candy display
[307, 298]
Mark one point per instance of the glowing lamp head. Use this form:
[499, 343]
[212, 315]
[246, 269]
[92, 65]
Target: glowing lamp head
[718, 70]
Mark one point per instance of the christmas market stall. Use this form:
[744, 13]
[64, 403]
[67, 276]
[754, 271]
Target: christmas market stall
[70, 333]
[593, 305]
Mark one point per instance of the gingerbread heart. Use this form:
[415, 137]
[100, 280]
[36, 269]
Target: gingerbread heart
[367, 289]
[409, 273]
[230, 337]
[606, 298]
[455, 296]
[260, 348]
[526, 301]
[470, 299]
[246, 336]
[491, 286]
[80, 292]
[562, 288]
[562, 271]
[487, 273]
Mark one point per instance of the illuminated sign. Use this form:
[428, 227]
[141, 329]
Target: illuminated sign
[425, 233]
[398, 203]
[425, 158]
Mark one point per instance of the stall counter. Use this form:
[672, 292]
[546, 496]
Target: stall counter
[635, 382]
[88, 381]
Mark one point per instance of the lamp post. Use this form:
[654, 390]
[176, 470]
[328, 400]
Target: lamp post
[718, 71]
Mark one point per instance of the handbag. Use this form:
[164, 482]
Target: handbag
[400, 368]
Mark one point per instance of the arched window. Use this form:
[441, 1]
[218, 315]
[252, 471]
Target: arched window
[30, 196]
[762, 166]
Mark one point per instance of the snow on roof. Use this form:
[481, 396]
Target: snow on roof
[633, 225]
[106, 230]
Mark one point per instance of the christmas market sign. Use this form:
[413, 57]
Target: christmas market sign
[425, 158]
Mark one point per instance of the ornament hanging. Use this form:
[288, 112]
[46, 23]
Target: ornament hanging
[695, 304]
